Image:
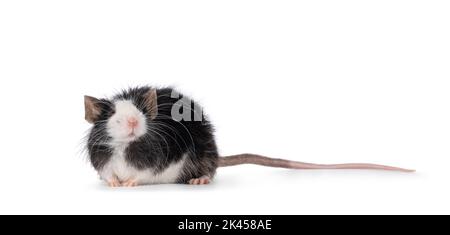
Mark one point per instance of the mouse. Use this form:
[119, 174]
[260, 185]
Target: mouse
[147, 135]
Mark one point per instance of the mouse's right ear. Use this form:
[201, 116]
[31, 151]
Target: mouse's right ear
[92, 109]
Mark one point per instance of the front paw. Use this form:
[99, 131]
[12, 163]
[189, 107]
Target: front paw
[114, 183]
[130, 183]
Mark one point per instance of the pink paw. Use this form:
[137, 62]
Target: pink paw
[200, 181]
[130, 183]
[114, 183]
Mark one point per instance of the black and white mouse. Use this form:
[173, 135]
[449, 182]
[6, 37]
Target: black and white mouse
[148, 135]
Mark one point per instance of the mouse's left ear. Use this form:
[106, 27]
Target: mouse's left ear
[92, 109]
[151, 101]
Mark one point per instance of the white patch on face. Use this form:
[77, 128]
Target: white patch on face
[127, 124]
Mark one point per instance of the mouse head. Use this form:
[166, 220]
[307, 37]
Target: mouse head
[126, 116]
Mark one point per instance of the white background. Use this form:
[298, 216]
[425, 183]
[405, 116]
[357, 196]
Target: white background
[316, 81]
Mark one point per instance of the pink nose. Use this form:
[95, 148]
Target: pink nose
[132, 122]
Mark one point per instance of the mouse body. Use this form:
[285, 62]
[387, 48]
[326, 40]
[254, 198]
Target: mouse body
[147, 135]
[134, 139]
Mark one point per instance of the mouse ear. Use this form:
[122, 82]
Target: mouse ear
[151, 101]
[92, 109]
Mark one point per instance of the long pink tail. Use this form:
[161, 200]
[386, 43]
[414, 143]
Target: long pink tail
[282, 163]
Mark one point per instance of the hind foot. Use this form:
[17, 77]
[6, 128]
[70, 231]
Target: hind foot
[130, 183]
[200, 181]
